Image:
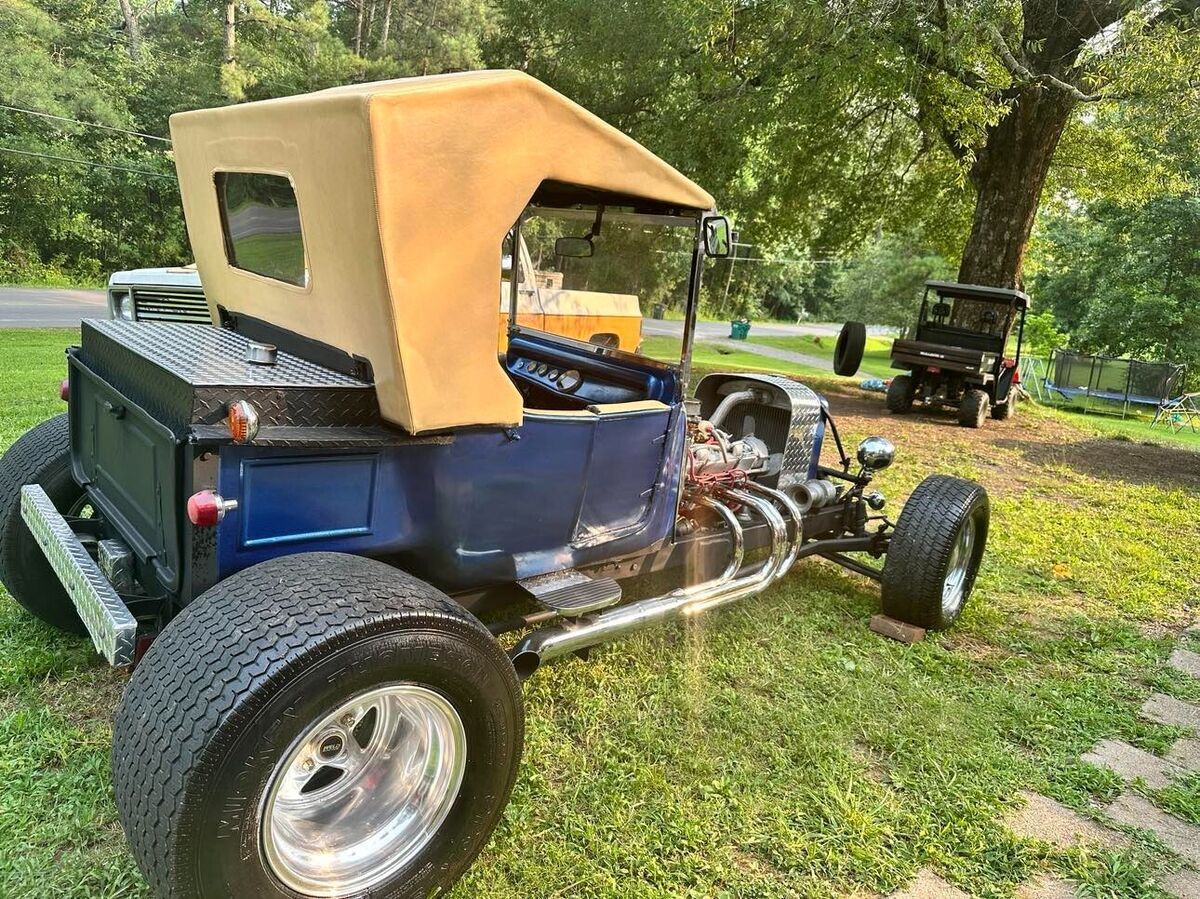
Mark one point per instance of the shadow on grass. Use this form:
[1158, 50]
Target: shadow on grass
[1117, 460]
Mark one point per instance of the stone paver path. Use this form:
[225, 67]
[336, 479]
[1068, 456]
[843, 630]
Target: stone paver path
[929, 886]
[1169, 710]
[1052, 822]
[1134, 764]
[1186, 661]
[1044, 819]
[1185, 884]
[1178, 836]
[1185, 753]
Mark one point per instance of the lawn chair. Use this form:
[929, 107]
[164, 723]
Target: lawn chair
[1178, 413]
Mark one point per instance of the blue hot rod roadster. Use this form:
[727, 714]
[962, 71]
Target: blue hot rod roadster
[304, 525]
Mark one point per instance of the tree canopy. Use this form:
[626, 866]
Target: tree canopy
[943, 127]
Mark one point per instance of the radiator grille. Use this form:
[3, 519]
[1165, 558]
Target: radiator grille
[160, 305]
[770, 425]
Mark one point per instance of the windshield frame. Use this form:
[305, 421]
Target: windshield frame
[685, 218]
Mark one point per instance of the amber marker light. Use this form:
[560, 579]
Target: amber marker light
[243, 422]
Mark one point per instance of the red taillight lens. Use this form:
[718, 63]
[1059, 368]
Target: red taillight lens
[64, 390]
[205, 509]
[934, 370]
[243, 422]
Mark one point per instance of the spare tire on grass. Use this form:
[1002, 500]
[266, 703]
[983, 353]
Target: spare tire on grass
[848, 354]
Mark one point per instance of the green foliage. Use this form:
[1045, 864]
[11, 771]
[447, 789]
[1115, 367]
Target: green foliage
[57, 216]
[1124, 279]
[883, 285]
[1042, 334]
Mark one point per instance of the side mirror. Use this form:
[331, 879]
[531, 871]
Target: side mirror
[718, 237]
[576, 247]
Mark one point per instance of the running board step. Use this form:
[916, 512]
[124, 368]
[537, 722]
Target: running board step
[572, 592]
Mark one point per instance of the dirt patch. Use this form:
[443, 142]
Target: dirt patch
[1115, 460]
[1035, 442]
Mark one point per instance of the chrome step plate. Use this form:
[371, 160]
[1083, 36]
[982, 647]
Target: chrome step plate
[106, 617]
[571, 592]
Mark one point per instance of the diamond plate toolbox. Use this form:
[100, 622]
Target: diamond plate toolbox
[185, 374]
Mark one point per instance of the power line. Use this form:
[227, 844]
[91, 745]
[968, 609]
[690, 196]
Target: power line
[63, 118]
[95, 165]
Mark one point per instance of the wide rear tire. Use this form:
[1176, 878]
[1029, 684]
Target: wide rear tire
[41, 456]
[271, 737]
[848, 351]
[935, 552]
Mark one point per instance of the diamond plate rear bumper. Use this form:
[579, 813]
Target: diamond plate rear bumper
[110, 623]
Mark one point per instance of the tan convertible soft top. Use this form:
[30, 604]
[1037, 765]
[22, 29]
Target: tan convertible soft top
[405, 191]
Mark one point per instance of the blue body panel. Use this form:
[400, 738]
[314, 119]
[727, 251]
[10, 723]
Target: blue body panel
[481, 509]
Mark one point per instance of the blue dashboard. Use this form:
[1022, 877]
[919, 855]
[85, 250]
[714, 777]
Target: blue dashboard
[553, 374]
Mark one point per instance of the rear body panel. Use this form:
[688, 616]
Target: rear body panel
[466, 510]
[909, 354]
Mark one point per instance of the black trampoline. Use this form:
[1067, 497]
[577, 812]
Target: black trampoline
[1113, 379]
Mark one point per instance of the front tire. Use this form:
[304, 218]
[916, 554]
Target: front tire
[1006, 410]
[973, 409]
[900, 395]
[41, 456]
[935, 552]
[317, 700]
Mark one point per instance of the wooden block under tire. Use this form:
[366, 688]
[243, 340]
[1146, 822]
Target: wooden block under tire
[897, 630]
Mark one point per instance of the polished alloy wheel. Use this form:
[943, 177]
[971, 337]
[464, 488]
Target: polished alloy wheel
[362, 791]
[958, 568]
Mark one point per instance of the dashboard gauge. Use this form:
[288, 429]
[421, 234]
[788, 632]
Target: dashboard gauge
[554, 374]
[520, 364]
[543, 368]
[570, 380]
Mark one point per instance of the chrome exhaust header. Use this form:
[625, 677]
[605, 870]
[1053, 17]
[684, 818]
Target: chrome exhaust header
[552, 642]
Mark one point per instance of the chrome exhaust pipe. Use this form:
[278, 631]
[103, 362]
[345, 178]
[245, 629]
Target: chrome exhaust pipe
[553, 642]
[784, 549]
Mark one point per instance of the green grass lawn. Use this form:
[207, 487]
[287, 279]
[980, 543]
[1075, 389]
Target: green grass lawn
[776, 748]
[709, 356]
[876, 358]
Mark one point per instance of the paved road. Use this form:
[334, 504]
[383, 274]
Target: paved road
[46, 307]
[771, 352]
[717, 330]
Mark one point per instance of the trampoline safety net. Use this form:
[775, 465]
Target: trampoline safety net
[1110, 378]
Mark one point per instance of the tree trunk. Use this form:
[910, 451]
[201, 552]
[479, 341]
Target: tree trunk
[133, 28]
[1008, 176]
[358, 28]
[230, 33]
[429, 42]
[387, 25]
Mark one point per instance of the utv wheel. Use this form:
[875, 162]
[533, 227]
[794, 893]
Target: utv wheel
[973, 409]
[1007, 409]
[42, 456]
[848, 351]
[935, 551]
[900, 395]
[321, 725]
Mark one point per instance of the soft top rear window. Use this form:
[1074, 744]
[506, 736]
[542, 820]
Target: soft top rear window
[261, 223]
